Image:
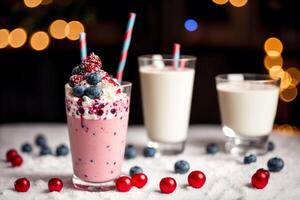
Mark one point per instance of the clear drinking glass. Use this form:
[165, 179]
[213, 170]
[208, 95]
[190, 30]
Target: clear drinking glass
[248, 104]
[167, 88]
[97, 146]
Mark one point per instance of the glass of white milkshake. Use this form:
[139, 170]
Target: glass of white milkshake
[167, 88]
[248, 104]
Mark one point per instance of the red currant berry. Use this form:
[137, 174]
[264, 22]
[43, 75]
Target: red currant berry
[196, 179]
[16, 161]
[22, 185]
[123, 184]
[167, 185]
[55, 184]
[261, 170]
[139, 180]
[260, 179]
[10, 154]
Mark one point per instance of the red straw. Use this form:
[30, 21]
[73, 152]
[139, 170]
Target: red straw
[176, 55]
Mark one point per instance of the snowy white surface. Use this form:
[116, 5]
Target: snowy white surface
[227, 177]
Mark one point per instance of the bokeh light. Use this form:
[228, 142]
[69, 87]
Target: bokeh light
[32, 3]
[73, 29]
[273, 47]
[289, 94]
[238, 3]
[286, 80]
[17, 38]
[220, 2]
[39, 41]
[191, 25]
[276, 72]
[272, 61]
[57, 29]
[295, 74]
[4, 34]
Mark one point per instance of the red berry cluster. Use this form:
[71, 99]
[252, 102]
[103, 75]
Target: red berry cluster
[23, 185]
[260, 178]
[14, 158]
[92, 63]
[125, 183]
[167, 185]
[75, 80]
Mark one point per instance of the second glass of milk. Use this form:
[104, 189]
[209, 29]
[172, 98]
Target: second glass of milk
[167, 88]
[248, 104]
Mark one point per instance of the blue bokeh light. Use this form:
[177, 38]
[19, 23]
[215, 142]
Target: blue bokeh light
[190, 25]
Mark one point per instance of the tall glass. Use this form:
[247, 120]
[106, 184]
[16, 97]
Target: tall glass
[98, 146]
[248, 104]
[167, 87]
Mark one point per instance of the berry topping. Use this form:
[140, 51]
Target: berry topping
[26, 148]
[135, 170]
[45, 150]
[123, 184]
[78, 91]
[212, 148]
[139, 180]
[130, 152]
[75, 80]
[271, 146]
[93, 58]
[249, 159]
[16, 161]
[93, 92]
[55, 184]
[10, 154]
[22, 185]
[196, 179]
[77, 70]
[260, 179]
[149, 152]
[181, 167]
[167, 185]
[40, 140]
[261, 170]
[91, 67]
[275, 164]
[62, 150]
[93, 78]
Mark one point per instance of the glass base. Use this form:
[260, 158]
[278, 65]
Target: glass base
[92, 187]
[247, 145]
[167, 148]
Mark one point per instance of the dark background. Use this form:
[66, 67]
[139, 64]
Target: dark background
[228, 39]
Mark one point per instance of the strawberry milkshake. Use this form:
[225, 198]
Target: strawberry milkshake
[97, 109]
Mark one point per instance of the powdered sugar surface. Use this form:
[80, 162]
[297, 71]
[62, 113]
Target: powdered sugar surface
[227, 177]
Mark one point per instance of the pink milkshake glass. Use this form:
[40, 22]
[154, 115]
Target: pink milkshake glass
[98, 145]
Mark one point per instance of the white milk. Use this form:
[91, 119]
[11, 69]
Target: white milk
[248, 108]
[167, 95]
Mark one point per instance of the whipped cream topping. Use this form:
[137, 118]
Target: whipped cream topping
[112, 101]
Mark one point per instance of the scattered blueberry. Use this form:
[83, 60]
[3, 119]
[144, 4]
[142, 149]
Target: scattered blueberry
[212, 148]
[249, 159]
[275, 164]
[130, 152]
[78, 90]
[181, 167]
[135, 170]
[93, 78]
[62, 150]
[76, 70]
[26, 148]
[149, 152]
[271, 146]
[45, 150]
[40, 140]
[93, 92]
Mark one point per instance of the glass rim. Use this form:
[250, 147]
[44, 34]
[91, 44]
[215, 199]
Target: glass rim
[123, 84]
[166, 57]
[258, 78]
